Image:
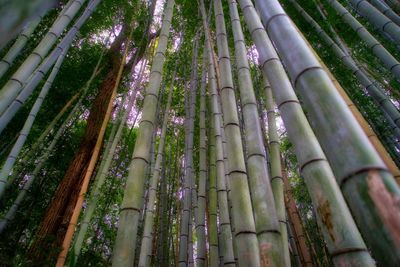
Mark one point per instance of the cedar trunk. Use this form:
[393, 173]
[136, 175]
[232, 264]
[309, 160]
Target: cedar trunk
[52, 229]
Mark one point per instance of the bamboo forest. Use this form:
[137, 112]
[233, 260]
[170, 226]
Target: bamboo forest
[203, 133]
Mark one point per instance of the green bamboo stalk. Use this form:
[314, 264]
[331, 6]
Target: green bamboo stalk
[7, 61]
[226, 252]
[33, 175]
[193, 193]
[11, 89]
[275, 163]
[21, 93]
[248, 253]
[201, 258]
[125, 243]
[23, 38]
[395, 5]
[48, 149]
[82, 92]
[23, 135]
[272, 236]
[340, 232]
[386, 10]
[114, 139]
[185, 246]
[377, 48]
[212, 228]
[15, 14]
[147, 239]
[385, 104]
[367, 185]
[377, 19]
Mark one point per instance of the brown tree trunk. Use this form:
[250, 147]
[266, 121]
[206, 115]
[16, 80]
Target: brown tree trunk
[295, 219]
[52, 229]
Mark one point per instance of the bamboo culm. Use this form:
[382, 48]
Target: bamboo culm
[125, 243]
[375, 92]
[377, 48]
[386, 10]
[42, 159]
[15, 14]
[368, 187]
[248, 253]
[366, 127]
[226, 252]
[7, 61]
[212, 229]
[23, 135]
[272, 236]
[201, 259]
[377, 19]
[23, 93]
[147, 240]
[320, 181]
[185, 246]
[11, 89]
[115, 137]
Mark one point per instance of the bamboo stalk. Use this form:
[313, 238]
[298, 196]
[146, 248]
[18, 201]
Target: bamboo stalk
[23, 135]
[248, 253]
[125, 243]
[13, 95]
[377, 19]
[268, 203]
[11, 89]
[357, 166]
[360, 119]
[18, 45]
[334, 218]
[386, 10]
[146, 245]
[201, 258]
[377, 48]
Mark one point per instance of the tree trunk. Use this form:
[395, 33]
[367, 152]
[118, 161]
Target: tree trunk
[54, 225]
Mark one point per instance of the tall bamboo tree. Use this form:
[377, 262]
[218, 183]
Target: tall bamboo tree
[379, 20]
[386, 10]
[125, 244]
[272, 237]
[226, 252]
[377, 48]
[18, 45]
[15, 14]
[147, 240]
[11, 89]
[357, 114]
[212, 228]
[245, 232]
[106, 164]
[185, 246]
[23, 135]
[375, 92]
[20, 93]
[334, 218]
[201, 258]
[359, 170]
[47, 151]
